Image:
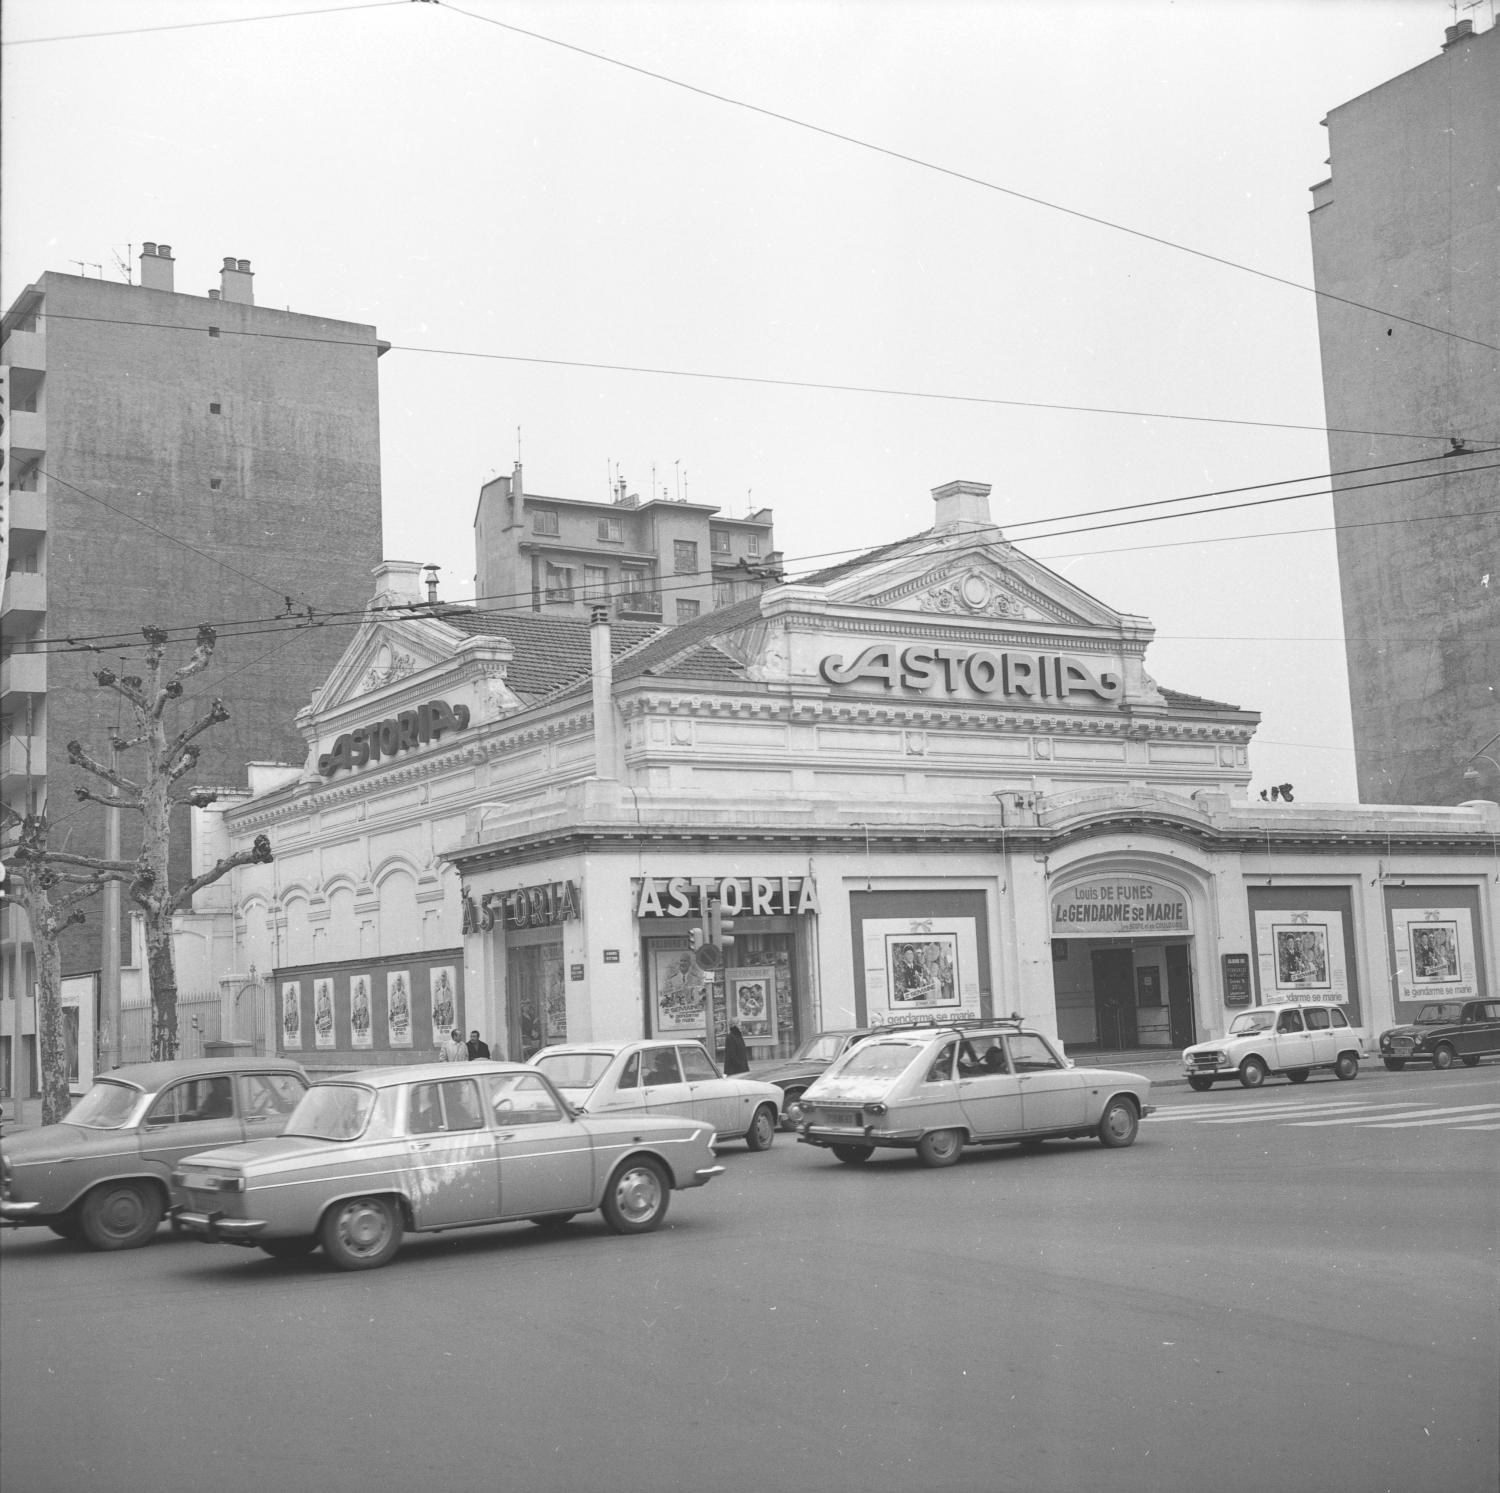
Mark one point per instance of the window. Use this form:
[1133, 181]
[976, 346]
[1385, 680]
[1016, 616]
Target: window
[941, 1068]
[450, 1105]
[695, 1064]
[684, 556]
[544, 521]
[266, 1094]
[609, 531]
[521, 1099]
[752, 544]
[687, 610]
[213, 331]
[197, 1099]
[559, 583]
[1030, 1054]
[1339, 1019]
[215, 408]
[595, 582]
[1317, 1021]
[215, 483]
[661, 1068]
[718, 541]
[630, 1077]
[1289, 1021]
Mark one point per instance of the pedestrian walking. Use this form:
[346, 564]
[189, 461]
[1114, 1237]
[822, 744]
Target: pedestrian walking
[477, 1047]
[736, 1054]
[456, 1050]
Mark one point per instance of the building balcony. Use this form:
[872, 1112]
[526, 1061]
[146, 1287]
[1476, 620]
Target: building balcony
[639, 606]
[28, 435]
[24, 600]
[25, 350]
[14, 767]
[28, 512]
[23, 674]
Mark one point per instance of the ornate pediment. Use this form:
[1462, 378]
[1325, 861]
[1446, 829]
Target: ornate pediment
[385, 651]
[980, 588]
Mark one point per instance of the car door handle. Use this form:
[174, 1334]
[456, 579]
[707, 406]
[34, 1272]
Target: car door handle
[421, 1145]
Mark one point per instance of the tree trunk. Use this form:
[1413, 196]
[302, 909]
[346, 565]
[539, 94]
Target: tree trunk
[51, 1031]
[162, 968]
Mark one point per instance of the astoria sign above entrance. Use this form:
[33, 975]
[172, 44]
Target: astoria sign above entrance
[1007, 674]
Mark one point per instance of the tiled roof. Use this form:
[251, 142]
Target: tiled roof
[549, 651]
[1179, 701]
[857, 562]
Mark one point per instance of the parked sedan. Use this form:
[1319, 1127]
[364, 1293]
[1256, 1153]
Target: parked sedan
[812, 1059]
[1291, 1039]
[938, 1089]
[662, 1076]
[103, 1176]
[371, 1154]
[1442, 1031]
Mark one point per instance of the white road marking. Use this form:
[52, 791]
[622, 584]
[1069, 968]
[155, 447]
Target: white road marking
[1447, 1118]
[1273, 1107]
[1342, 1113]
[1477, 1127]
[1406, 1117]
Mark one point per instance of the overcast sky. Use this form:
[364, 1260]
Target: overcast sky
[473, 190]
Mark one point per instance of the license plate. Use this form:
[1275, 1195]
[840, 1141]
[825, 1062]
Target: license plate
[841, 1117]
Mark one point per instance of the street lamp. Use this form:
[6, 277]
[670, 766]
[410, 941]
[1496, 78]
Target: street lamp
[1472, 775]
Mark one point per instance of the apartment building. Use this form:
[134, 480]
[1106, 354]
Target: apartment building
[1409, 221]
[651, 560]
[176, 457]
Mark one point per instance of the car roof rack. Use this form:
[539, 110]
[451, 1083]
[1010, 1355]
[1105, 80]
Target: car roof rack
[959, 1024]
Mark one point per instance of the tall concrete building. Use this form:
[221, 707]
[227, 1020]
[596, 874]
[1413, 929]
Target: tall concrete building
[652, 560]
[1409, 221]
[175, 458]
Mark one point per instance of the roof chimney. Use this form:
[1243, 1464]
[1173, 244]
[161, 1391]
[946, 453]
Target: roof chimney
[430, 575]
[966, 503]
[604, 693]
[234, 281]
[156, 266]
[1459, 31]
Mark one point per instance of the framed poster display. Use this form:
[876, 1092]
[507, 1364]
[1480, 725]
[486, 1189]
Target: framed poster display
[444, 1002]
[679, 992]
[1434, 953]
[922, 968]
[1237, 990]
[361, 1023]
[323, 1013]
[291, 1016]
[752, 1003]
[398, 1007]
[1301, 956]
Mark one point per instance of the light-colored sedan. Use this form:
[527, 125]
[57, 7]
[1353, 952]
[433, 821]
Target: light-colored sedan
[102, 1176]
[368, 1155]
[662, 1076]
[1290, 1039]
[937, 1089]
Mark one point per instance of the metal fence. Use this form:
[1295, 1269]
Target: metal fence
[199, 1020]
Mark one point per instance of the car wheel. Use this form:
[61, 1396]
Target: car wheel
[853, 1155]
[789, 1108]
[289, 1249]
[1470, 1060]
[635, 1202]
[1395, 1064]
[1119, 1122]
[1347, 1066]
[1298, 1075]
[1200, 1082]
[120, 1215]
[1252, 1073]
[762, 1129]
[361, 1233]
[551, 1221]
[940, 1147]
[1442, 1056]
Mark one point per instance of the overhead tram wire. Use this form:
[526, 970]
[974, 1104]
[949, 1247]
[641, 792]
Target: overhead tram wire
[963, 176]
[285, 15]
[254, 627]
[794, 383]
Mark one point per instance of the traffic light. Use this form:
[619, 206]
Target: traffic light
[706, 956]
[720, 929]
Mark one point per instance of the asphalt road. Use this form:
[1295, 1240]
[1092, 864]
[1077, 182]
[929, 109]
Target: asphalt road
[1289, 1289]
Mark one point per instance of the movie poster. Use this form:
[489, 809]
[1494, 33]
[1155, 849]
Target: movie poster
[445, 1016]
[752, 1004]
[1301, 956]
[680, 993]
[323, 1025]
[919, 965]
[1434, 953]
[291, 1016]
[398, 1007]
[361, 1022]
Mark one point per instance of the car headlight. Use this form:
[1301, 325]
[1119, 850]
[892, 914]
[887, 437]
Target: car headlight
[874, 1109]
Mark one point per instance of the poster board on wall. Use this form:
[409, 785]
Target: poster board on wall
[1301, 955]
[1433, 953]
[679, 991]
[751, 993]
[365, 1009]
[914, 966]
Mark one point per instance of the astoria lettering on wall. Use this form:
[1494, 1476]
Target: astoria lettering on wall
[388, 738]
[738, 896]
[525, 907]
[981, 671]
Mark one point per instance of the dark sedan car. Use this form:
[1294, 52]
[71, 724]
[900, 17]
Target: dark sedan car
[810, 1061]
[103, 1175]
[1444, 1030]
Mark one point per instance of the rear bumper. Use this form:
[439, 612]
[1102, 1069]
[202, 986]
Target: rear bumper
[17, 1214]
[707, 1174]
[216, 1228]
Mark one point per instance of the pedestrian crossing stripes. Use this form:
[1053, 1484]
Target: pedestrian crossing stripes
[1300, 1115]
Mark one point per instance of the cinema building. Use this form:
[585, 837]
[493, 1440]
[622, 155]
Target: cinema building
[936, 780]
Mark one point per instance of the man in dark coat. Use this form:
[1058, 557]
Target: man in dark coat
[736, 1054]
[477, 1049]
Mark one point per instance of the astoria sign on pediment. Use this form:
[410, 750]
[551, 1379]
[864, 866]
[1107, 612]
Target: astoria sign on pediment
[1004, 674]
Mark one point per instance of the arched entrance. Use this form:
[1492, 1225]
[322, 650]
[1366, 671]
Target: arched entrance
[1122, 962]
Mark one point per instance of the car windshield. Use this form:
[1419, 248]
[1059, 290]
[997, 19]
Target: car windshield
[1252, 1021]
[823, 1048]
[106, 1106]
[332, 1111]
[1438, 1011]
[879, 1057]
[573, 1070]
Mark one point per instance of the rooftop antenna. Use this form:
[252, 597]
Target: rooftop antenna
[124, 265]
[87, 264]
[518, 443]
[677, 466]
